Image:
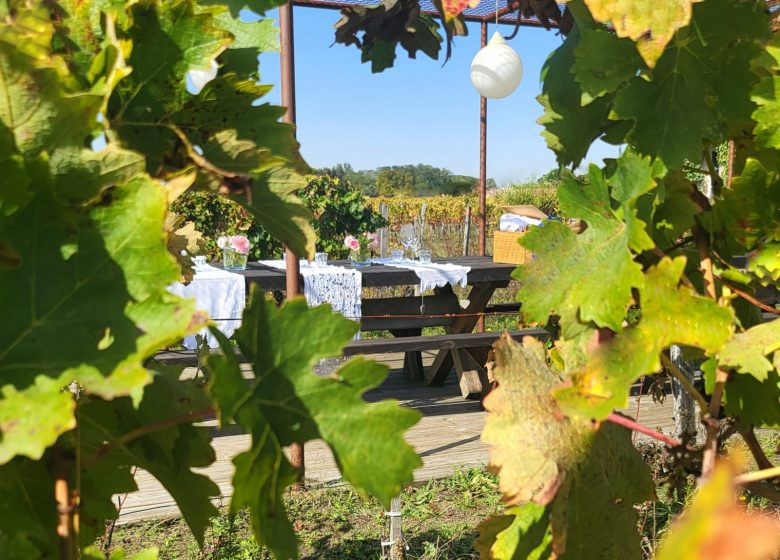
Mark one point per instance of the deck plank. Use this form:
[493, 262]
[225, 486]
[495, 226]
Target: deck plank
[447, 438]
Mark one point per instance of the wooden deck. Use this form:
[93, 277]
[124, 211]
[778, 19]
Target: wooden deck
[447, 438]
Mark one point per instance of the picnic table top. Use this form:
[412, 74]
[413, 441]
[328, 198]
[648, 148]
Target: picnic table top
[483, 270]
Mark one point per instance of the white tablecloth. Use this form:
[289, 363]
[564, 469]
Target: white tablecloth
[432, 275]
[219, 293]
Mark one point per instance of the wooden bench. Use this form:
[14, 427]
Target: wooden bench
[472, 376]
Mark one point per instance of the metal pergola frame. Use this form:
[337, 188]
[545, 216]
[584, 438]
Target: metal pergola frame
[287, 64]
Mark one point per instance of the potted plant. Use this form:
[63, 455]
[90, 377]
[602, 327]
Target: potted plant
[360, 248]
[235, 249]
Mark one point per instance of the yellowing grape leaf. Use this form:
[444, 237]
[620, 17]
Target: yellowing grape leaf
[748, 351]
[650, 25]
[603, 384]
[765, 95]
[589, 276]
[286, 402]
[521, 532]
[591, 475]
[522, 415]
[715, 527]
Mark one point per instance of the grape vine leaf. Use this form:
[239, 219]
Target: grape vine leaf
[748, 351]
[569, 127]
[603, 63]
[603, 384]
[669, 118]
[767, 115]
[753, 401]
[169, 452]
[102, 263]
[650, 26]
[521, 532]
[94, 553]
[24, 432]
[590, 474]
[286, 402]
[589, 276]
[715, 527]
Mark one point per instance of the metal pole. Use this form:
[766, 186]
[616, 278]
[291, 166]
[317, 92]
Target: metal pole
[292, 265]
[482, 172]
[483, 160]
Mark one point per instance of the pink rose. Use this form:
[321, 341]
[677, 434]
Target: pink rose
[240, 243]
[351, 243]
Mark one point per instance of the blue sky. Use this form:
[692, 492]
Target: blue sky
[416, 112]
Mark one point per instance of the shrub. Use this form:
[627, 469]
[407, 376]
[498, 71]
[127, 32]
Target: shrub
[337, 206]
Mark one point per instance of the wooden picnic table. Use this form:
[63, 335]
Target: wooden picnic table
[401, 316]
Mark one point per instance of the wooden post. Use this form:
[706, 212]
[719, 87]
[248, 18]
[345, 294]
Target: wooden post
[423, 210]
[292, 265]
[466, 231]
[483, 160]
[393, 548]
[384, 233]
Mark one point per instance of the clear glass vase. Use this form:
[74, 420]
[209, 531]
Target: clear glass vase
[360, 258]
[233, 260]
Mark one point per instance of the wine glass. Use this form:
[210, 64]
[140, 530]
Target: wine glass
[408, 236]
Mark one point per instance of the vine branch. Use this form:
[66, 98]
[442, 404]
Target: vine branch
[755, 448]
[635, 426]
[747, 297]
[754, 476]
[147, 429]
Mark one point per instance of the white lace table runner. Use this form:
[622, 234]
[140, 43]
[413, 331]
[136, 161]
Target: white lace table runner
[336, 285]
[219, 293]
[432, 275]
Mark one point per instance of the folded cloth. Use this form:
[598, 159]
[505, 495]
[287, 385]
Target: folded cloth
[513, 222]
[432, 275]
[219, 293]
[336, 285]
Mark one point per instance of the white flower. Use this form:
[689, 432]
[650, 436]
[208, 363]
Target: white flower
[223, 242]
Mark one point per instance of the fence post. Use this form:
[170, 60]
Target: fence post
[467, 232]
[384, 233]
[393, 548]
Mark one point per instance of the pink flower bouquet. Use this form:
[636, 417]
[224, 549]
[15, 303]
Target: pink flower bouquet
[360, 247]
[235, 249]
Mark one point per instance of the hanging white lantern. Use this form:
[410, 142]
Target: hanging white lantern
[496, 70]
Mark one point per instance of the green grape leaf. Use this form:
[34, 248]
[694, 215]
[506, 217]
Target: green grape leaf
[28, 514]
[603, 63]
[257, 6]
[747, 352]
[670, 119]
[603, 384]
[115, 264]
[521, 532]
[589, 276]
[767, 115]
[255, 35]
[81, 174]
[764, 262]
[94, 553]
[650, 26]
[23, 430]
[591, 475]
[676, 209]
[569, 128]
[286, 402]
[169, 452]
[715, 527]
[756, 402]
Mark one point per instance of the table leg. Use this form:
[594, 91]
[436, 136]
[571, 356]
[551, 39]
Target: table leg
[413, 367]
[479, 297]
[472, 377]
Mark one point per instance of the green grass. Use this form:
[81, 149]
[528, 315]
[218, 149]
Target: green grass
[338, 524]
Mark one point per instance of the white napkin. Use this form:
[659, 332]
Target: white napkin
[514, 222]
